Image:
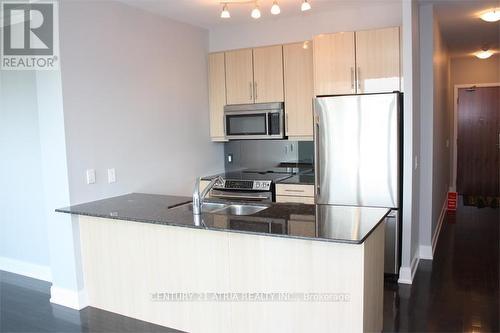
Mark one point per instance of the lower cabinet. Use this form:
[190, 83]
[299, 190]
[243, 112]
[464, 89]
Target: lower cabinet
[303, 225]
[295, 193]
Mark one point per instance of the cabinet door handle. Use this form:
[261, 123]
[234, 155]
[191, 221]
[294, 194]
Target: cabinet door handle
[352, 78]
[358, 76]
[255, 90]
[294, 191]
[251, 91]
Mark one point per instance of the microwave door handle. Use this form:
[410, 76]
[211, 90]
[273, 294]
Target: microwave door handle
[268, 132]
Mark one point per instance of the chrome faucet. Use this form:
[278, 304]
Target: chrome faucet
[198, 197]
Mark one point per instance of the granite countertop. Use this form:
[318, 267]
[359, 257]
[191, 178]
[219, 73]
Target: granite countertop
[300, 179]
[343, 224]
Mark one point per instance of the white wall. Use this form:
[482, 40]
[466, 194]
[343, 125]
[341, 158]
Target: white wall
[135, 99]
[411, 128]
[23, 226]
[465, 70]
[300, 28]
[441, 139]
[435, 129]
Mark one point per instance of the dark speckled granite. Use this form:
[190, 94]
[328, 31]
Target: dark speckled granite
[314, 222]
[306, 179]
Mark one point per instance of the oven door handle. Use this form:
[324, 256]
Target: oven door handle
[236, 196]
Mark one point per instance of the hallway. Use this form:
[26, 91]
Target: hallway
[458, 291]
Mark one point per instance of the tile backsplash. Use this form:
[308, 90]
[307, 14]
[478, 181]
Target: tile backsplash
[265, 153]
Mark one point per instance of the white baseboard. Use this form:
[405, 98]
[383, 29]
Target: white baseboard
[34, 271]
[435, 237]
[425, 252]
[406, 274]
[72, 299]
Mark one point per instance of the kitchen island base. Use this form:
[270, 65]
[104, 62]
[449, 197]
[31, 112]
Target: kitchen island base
[155, 272]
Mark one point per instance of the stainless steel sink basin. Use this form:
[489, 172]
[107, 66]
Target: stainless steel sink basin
[241, 209]
[208, 207]
[226, 209]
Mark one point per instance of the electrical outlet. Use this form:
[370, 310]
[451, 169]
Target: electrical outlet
[90, 176]
[111, 175]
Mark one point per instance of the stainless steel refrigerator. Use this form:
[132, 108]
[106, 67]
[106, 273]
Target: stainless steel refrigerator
[358, 146]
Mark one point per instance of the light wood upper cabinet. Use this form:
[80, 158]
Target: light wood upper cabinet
[378, 60]
[298, 74]
[239, 77]
[334, 64]
[268, 74]
[217, 95]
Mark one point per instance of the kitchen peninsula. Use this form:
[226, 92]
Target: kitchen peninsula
[144, 257]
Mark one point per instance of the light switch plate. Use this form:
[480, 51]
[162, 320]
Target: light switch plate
[111, 175]
[90, 176]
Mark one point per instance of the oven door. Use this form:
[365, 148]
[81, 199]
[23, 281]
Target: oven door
[262, 124]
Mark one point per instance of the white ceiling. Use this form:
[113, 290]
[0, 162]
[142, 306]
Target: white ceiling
[206, 13]
[463, 31]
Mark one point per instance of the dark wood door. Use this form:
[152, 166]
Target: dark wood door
[478, 169]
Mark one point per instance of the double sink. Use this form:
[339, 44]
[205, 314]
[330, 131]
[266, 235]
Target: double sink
[226, 208]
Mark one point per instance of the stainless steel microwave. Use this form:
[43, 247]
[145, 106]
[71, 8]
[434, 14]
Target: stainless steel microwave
[254, 121]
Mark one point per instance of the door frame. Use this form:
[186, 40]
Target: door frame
[455, 124]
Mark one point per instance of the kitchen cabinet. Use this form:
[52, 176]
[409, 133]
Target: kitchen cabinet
[295, 193]
[217, 95]
[357, 62]
[294, 199]
[302, 225]
[299, 90]
[378, 60]
[239, 77]
[268, 74]
[254, 75]
[334, 63]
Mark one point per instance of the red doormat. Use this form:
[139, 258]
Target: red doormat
[480, 201]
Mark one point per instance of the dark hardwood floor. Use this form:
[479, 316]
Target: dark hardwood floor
[456, 292]
[25, 307]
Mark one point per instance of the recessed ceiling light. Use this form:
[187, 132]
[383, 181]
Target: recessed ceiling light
[484, 54]
[275, 9]
[225, 12]
[305, 6]
[491, 15]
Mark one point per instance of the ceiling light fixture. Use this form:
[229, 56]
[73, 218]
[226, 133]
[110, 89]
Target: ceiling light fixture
[491, 15]
[256, 12]
[225, 12]
[305, 6]
[484, 53]
[275, 9]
